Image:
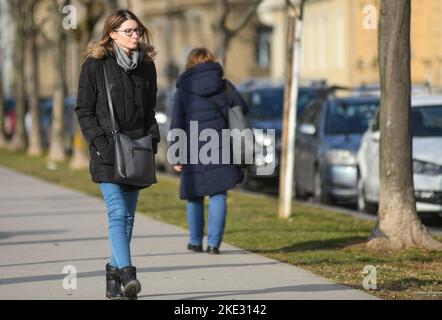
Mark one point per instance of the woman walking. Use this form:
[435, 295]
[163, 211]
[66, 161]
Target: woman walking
[201, 97]
[127, 54]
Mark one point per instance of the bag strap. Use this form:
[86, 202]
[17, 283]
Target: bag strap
[229, 95]
[219, 111]
[109, 100]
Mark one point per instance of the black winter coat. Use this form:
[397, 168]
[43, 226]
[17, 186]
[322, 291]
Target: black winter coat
[134, 99]
[194, 88]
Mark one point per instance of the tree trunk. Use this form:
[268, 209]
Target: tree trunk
[35, 147]
[3, 141]
[80, 155]
[399, 224]
[57, 152]
[221, 30]
[2, 113]
[94, 12]
[18, 142]
[222, 47]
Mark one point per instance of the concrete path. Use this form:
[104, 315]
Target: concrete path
[45, 228]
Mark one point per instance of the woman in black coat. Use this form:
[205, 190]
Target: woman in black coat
[126, 51]
[200, 97]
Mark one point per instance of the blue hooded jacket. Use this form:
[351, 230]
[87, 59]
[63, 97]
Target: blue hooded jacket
[196, 89]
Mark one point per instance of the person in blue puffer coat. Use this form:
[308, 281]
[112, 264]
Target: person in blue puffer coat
[200, 99]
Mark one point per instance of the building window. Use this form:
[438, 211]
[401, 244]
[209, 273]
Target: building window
[264, 46]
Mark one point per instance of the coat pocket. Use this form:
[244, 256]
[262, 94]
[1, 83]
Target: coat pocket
[104, 156]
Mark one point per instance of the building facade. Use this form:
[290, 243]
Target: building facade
[340, 41]
[178, 26]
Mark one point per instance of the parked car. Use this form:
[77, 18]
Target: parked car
[327, 141]
[163, 112]
[10, 117]
[375, 89]
[266, 106]
[426, 117]
[46, 105]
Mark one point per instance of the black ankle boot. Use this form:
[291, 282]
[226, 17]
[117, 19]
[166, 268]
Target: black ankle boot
[113, 284]
[131, 286]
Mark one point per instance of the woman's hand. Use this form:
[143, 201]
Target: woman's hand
[178, 168]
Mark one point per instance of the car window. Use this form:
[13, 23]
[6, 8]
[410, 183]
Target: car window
[267, 104]
[304, 98]
[344, 118]
[427, 121]
[312, 114]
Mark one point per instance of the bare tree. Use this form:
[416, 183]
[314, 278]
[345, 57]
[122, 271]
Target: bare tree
[3, 141]
[2, 112]
[57, 152]
[223, 33]
[399, 224]
[94, 12]
[17, 9]
[35, 147]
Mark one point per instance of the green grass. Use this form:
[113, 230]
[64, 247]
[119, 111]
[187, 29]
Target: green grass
[327, 243]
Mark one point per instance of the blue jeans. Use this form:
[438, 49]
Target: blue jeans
[217, 219]
[121, 208]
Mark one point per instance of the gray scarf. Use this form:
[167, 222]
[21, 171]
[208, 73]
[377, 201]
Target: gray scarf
[128, 63]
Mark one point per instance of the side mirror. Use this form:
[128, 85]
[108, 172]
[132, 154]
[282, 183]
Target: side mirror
[307, 129]
[375, 136]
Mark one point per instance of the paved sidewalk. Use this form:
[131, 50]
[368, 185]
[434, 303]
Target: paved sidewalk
[44, 228]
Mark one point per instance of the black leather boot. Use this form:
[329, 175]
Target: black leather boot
[131, 286]
[113, 284]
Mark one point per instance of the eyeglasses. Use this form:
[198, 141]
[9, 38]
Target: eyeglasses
[129, 32]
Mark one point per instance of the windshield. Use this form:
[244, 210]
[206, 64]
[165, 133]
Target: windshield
[344, 118]
[267, 104]
[427, 121]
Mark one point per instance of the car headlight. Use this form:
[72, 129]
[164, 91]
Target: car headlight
[262, 139]
[426, 168]
[341, 157]
[161, 118]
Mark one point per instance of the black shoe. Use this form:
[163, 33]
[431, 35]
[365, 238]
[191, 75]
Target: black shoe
[131, 286]
[195, 248]
[212, 250]
[113, 283]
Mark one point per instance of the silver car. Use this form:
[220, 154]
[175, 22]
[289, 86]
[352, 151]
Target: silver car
[327, 141]
[427, 158]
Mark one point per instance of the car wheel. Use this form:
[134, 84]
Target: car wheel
[168, 168]
[249, 183]
[362, 203]
[299, 194]
[318, 191]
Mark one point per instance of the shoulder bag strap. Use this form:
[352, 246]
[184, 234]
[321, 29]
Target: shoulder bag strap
[109, 100]
[227, 92]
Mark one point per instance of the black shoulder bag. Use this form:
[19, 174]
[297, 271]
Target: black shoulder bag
[134, 160]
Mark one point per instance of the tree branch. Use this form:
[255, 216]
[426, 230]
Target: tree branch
[246, 18]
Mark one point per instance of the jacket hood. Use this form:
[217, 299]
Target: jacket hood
[205, 79]
[97, 51]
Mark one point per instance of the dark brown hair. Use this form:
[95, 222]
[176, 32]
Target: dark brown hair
[198, 56]
[114, 21]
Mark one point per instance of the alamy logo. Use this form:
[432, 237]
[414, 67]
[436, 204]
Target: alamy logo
[70, 21]
[370, 280]
[370, 21]
[70, 281]
[210, 146]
